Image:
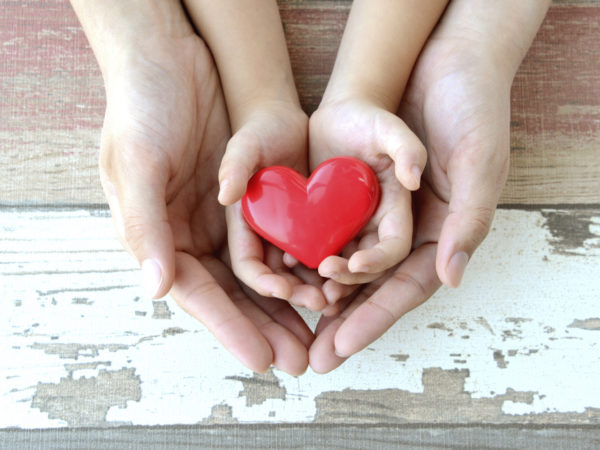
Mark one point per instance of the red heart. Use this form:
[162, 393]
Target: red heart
[315, 218]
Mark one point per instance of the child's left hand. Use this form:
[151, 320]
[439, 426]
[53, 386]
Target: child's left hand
[362, 129]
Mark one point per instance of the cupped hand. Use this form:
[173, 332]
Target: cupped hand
[457, 102]
[362, 129]
[164, 135]
[274, 133]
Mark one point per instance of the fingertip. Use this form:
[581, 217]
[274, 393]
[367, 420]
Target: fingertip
[272, 285]
[416, 172]
[455, 269]
[356, 265]
[289, 260]
[152, 277]
[231, 190]
[409, 177]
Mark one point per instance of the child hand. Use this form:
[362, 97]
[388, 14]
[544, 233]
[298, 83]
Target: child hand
[275, 133]
[362, 129]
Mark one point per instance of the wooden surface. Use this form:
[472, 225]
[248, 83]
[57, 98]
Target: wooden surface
[511, 359]
[52, 101]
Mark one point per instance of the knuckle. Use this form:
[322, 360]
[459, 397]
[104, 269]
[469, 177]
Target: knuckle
[405, 278]
[134, 231]
[479, 223]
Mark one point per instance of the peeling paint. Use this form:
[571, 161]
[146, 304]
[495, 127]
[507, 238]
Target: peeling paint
[220, 414]
[172, 331]
[586, 324]
[443, 399]
[161, 310]
[86, 401]
[571, 231]
[74, 351]
[499, 358]
[260, 388]
[485, 324]
[439, 326]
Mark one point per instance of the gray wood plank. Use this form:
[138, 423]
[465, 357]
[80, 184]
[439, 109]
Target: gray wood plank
[306, 437]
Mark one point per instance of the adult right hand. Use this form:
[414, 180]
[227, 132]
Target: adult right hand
[164, 134]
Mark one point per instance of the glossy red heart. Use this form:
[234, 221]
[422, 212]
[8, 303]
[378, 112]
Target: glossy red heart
[315, 218]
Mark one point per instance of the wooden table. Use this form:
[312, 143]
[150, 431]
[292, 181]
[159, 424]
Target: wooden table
[510, 359]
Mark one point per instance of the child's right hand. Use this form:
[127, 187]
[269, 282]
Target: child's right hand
[274, 133]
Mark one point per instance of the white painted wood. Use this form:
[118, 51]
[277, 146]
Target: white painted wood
[80, 344]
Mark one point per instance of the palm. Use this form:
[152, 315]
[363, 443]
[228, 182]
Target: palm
[166, 129]
[459, 108]
[356, 128]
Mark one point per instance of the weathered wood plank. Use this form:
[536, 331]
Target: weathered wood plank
[306, 437]
[52, 101]
[82, 346]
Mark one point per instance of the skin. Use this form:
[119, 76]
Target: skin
[269, 128]
[165, 108]
[357, 118]
[457, 102]
[154, 68]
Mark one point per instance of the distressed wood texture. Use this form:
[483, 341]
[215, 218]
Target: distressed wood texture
[82, 346]
[52, 101]
[311, 437]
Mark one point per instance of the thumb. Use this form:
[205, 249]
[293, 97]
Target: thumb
[137, 202]
[395, 139]
[240, 161]
[475, 190]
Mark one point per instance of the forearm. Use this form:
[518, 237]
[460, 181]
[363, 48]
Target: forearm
[248, 44]
[381, 43]
[496, 33]
[117, 26]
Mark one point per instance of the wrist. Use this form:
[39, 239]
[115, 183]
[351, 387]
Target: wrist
[276, 109]
[499, 36]
[342, 92]
[117, 29]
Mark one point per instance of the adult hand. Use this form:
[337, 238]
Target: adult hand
[164, 135]
[458, 103]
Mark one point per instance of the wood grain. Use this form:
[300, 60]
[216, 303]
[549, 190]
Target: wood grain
[82, 346]
[307, 437]
[52, 101]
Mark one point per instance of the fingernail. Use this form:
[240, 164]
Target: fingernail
[362, 269]
[416, 173]
[339, 355]
[152, 276]
[456, 268]
[222, 190]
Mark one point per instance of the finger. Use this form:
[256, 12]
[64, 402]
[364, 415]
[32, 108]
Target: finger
[395, 139]
[137, 193]
[288, 318]
[473, 198]
[394, 234]
[284, 329]
[411, 284]
[336, 268]
[240, 161]
[334, 291]
[306, 283]
[199, 294]
[321, 355]
[289, 260]
[247, 255]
